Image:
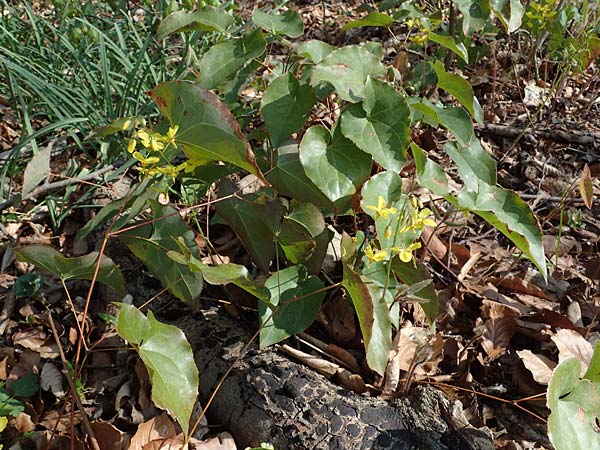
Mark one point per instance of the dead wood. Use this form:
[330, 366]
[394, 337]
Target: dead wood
[268, 398]
[534, 134]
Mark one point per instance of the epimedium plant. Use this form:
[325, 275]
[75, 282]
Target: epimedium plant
[349, 169]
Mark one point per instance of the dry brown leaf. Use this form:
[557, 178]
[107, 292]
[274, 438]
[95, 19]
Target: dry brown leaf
[586, 188]
[539, 366]
[572, 344]
[324, 367]
[351, 381]
[35, 339]
[156, 429]
[108, 436]
[498, 330]
[23, 423]
[223, 441]
[52, 380]
[3, 368]
[53, 420]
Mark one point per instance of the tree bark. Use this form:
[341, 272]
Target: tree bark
[268, 398]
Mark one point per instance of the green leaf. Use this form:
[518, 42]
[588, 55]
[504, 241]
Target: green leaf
[347, 69]
[169, 359]
[289, 23]
[412, 274]
[132, 204]
[295, 298]
[26, 386]
[473, 162]
[371, 308]
[78, 268]
[27, 285]
[510, 13]
[575, 408]
[9, 406]
[379, 125]
[303, 236]
[220, 274]
[222, 61]
[286, 105]
[255, 220]
[593, 371]
[207, 129]
[314, 50]
[476, 14]
[334, 164]
[373, 19]
[454, 119]
[116, 126]
[288, 177]
[460, 88]
[430, 174]
[151, 242]
[207, 18]
[37, 170]
[388, 185]
[508, 213]
[449, 43]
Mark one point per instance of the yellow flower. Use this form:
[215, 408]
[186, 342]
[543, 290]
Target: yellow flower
[375, 256]
[169, 138]
[146, 161]
[131, 145]
[169, 170]
[419, 220]
[150, 140]
[381, 209]
[406, 254]
[388, 232]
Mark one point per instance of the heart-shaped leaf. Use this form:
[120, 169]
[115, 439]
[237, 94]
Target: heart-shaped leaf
[473, 162]
[286, 105]
[373, 19]
[169, 359]
[289, 23]
[347, 69]
[295, 301]
[334, 164]
[380, 124]
[207, 129]
[207, 18]
[77, 268]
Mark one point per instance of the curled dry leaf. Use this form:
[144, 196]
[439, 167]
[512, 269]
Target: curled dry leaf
[108, 436]
[498, 329]
[35, 339]
[539, 366]
[52, 380]
[572, 344]
[586, 187]
[157, 429]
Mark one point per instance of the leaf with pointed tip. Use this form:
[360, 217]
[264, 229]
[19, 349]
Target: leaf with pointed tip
[296, 299]
[222, 61]
[510, 13]
[460, 88]
[151, 242]
[449, 43]
[430, 174]
[289, 23]
[454, 119]
[207, 18]
[314, 50]
[347, 69]
[334, 164]
[255, 220]
[508, 213]
[371, 308]
[286, 105]
[207, 129]
[380, 124]
[373, 19]
[77, 268]
[288, 177]
[169, 359]
[473, 162]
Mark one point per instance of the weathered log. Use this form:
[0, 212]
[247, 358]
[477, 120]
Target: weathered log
[268, 398]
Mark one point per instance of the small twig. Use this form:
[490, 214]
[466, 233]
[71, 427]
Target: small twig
[86, 422]
[554, 135]
[56, 185]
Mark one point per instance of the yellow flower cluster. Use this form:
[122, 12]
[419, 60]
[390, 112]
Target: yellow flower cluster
[419, 218]
[154, 144]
